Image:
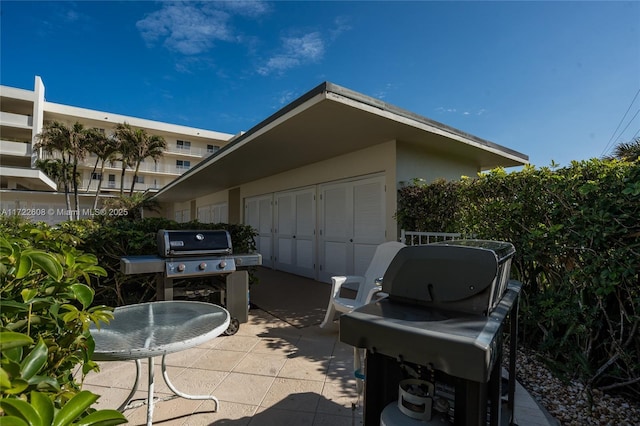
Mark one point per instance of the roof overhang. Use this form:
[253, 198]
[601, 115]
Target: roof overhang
[326, 122]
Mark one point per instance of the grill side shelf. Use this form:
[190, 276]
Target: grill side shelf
[145, 264]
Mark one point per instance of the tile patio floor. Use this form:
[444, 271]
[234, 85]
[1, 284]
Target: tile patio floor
[268, 374]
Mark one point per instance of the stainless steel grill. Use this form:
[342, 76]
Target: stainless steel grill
[194, 254]
[441, 324]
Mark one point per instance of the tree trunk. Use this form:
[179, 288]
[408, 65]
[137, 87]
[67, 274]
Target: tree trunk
[65, 182]
[124, 167]
[135, 176]
[76, 199]
[95, 166]
[95, 200]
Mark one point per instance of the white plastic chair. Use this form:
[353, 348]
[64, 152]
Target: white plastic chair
[367, 284]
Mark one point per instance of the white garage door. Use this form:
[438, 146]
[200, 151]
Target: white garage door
[295, 232]
[335, 235]
[352, 224]
[259, 215]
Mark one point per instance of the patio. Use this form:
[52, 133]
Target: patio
[279, 369]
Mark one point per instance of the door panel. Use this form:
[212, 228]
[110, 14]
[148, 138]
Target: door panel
[352, 224]
[259, 215]
[295, 233]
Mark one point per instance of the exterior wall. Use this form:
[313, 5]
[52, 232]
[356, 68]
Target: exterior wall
[377, 159]
[415, 163]
[48, 207]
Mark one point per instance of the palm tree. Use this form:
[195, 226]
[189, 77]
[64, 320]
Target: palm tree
[124, 135]
[105, 148]
[78, 150]
[149, 146]
[57, 170]
[135, 146]
[627, 151]
[70, 143]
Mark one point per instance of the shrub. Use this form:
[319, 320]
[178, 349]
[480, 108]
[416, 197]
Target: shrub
[46, 307]
[577, 236]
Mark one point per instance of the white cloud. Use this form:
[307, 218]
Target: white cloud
[341, 25]
[295, 51]
[382, 93]
[479, 112]
[251, 9]
[192, 28]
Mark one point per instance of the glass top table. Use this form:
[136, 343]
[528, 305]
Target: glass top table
[147, 330]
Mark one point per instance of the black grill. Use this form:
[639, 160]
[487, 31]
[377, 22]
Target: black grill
[193, 243]
[187, 254]
[442, 323]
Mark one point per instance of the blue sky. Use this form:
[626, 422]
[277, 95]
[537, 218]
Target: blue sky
[550, 79]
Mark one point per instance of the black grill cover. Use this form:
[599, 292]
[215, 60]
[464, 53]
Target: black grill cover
[461, 275]
[193, 242]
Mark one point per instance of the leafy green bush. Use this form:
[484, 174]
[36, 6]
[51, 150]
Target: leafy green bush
[45, 312]
[577, 235]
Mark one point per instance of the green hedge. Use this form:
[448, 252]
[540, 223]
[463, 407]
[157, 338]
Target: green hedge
[577, 235]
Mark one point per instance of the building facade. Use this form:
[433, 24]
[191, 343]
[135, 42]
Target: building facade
[25, 190]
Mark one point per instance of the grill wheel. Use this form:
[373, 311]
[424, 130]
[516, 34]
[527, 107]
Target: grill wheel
[234, 326]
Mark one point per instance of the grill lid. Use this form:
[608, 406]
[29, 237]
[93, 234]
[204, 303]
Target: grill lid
[193, 242]
[461, 275]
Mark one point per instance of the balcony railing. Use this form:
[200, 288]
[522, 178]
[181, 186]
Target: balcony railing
[145, 167]
[186, 150]
[15, 149]
[17, 120]
[113, 186]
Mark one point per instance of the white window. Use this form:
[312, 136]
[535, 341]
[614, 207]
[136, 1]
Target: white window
[139, 179]
[183, 145]
[212, 148]
[96, 176]
[183, 164]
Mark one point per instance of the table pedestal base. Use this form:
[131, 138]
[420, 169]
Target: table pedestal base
[150, 397]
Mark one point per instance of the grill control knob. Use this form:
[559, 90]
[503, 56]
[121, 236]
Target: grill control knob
[222, 264]
[181, 267]
[202, 266]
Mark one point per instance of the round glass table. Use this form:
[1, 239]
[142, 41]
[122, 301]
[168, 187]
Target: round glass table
[147, 330]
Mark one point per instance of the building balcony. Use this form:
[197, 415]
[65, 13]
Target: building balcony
[15, 149]
[10, 119]
[92, 186]
[191, 151]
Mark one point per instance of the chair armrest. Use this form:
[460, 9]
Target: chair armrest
[377, 290]
[338, 281]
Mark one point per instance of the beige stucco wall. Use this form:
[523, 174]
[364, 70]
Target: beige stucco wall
[430, 166]
[396, 161]
[377, 159]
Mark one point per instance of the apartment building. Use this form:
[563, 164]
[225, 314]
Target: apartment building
[28, 191]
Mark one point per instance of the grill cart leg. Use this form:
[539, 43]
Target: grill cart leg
[164, 287]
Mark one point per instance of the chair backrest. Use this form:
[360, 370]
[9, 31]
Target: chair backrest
[382, 258]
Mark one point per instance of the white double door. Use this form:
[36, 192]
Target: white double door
[352, 224]
[320, 231]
